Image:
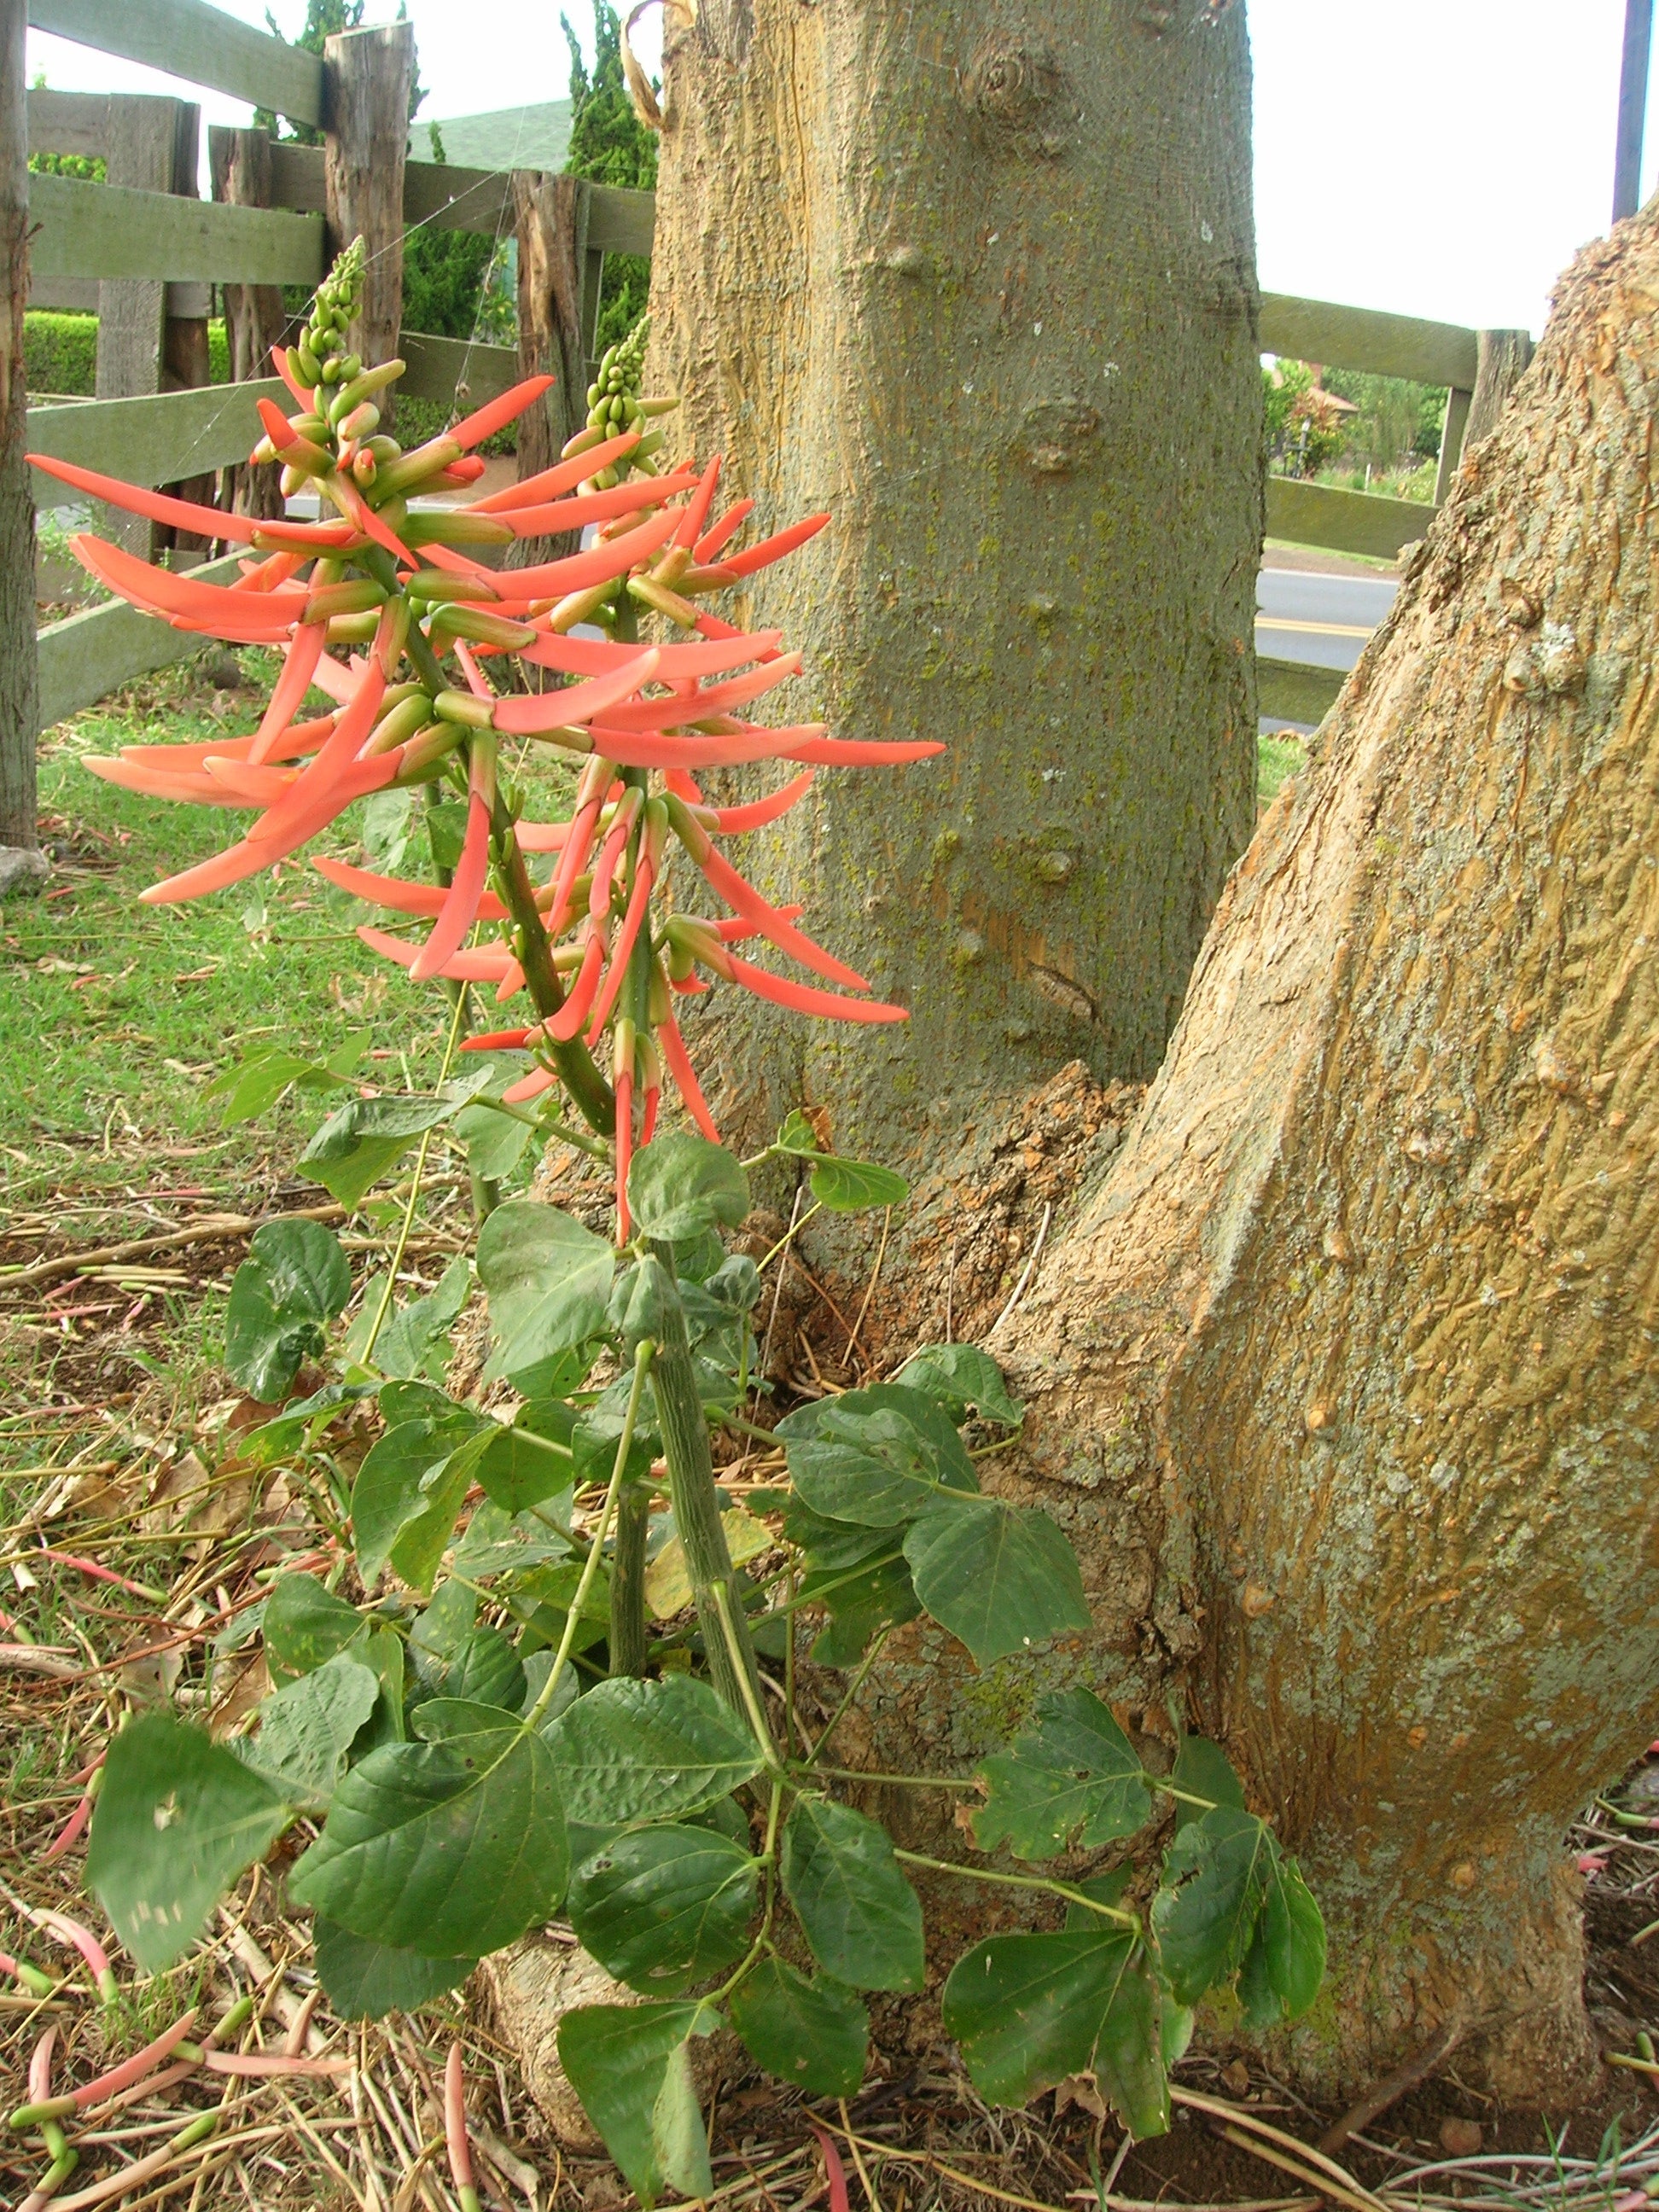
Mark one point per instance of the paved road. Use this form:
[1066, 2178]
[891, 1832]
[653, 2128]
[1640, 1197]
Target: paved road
[1322, 619]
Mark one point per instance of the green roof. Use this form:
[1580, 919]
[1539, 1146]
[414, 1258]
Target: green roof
[533, 137]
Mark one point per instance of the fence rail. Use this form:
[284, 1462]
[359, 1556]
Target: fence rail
[89, 236]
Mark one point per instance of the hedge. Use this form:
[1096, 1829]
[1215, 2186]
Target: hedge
[60, 352]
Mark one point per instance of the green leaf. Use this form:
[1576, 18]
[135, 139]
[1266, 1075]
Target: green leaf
[813, 2034]
[415, 1342]
[1027, 2010]
[499, 1543]
[307, 1727]
[682, 1186]
[422, 1542]
[361, 1139]
[261, 1077]
[178, 1817]
[1214, 1885]
[860, 1605]
[386, 824]
[964, 1380]
[450, 1849]
[597, 1433]
[485, 1670]
[831, 1546]
[662, 1907]
[862, 1918]
[796, 1136]
[290, 1286]
[1292, 1937]
[878, 1455]
[404, 1479]
[630, 2066]
[1203, 1770]
[304, 1624]
[365, 1980]
[548, 1280]
[494, 1142]
[531, 1462]
[299, 1426]
[1001, 1577]
[648, 1751]
[1073, 1782]
[854, 1186]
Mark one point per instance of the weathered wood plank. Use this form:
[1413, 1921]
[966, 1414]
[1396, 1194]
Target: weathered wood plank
[1359, 338]
[1453, 427]
[1344, 522]
[107, 231]
[1295, 691]
[18, 717]
[87, 656]
[440, 195]
[620, 221]
[68, 122]
[438, 366]
[151, 442]
[191, 39]
[240, 164]
[369, 76]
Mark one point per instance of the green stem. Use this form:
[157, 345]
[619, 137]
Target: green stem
[897, 1781]
[573, 1059]
[642, 1358]
[367, 1355]
[1023, 1881]
[697, 1511]
[628, 1580]
[852, 1689]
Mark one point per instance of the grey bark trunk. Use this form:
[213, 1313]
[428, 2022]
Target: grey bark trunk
[18, 692]
[989, 295]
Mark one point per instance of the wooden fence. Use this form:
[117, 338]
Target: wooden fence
[143, 248]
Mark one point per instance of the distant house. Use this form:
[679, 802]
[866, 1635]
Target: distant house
[534, 137]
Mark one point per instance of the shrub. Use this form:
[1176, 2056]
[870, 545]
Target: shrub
[60, 352]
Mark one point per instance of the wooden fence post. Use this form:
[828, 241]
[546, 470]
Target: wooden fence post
[552, 213]
[18, 689]
[254, 317]
[151, 146]
[369, 76]
[1505, 356]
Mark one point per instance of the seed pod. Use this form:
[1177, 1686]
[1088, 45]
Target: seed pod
[306, 368]
[406, 719]
[368, 383]
[354, 630]
[592, 395]
[461, 706]
[361, 421]
[351, 367]
[297, 368]
[363, 469]
[441, 526]
[480, 627]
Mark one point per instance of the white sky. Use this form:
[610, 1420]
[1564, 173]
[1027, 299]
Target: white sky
[1437, 157]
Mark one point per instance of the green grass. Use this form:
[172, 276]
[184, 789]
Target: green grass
[113, 1015]
[1279, 755]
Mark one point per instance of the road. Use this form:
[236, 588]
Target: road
[1322, 619]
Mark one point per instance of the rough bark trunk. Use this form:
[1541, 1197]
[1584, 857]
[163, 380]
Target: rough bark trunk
[1345, 1377]
[240, 163]
[19, 699]
[988, 294]
[369, 76]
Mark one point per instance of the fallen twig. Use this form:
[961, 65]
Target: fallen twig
[218, 1228]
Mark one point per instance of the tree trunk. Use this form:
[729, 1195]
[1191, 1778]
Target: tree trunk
[240, 162]
[1344, 1378]
[369, 76]
[989, 294]
[19, 697]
